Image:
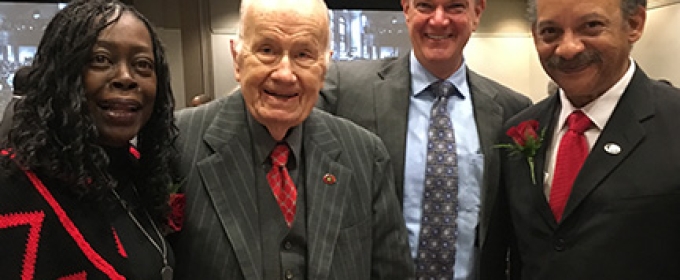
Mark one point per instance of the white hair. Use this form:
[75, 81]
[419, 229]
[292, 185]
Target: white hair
[246, 6]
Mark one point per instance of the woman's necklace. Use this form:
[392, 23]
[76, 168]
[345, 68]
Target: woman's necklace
[166, 271]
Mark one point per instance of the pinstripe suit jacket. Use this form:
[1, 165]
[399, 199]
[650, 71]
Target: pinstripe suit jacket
[354, 227]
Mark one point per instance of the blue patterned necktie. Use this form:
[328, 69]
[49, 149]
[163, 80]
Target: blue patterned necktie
[438, 228]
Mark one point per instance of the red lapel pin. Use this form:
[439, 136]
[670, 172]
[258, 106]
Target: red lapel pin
[329, 179]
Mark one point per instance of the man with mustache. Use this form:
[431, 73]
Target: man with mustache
[599, 195]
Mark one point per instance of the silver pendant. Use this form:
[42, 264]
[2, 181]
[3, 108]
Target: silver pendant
[166, 273]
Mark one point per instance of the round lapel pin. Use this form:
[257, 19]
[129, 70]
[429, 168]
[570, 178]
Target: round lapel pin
[612, 148]
[329, 179]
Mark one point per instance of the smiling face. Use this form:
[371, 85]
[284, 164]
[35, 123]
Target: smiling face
[439, 30]
[120, 80]
[281, 63]
[584, 46]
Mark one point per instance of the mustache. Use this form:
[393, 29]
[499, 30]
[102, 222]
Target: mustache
[581, 59]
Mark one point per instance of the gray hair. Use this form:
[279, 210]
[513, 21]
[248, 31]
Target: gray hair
[628, 7]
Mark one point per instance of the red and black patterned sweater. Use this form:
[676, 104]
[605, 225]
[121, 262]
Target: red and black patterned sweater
[45, 234]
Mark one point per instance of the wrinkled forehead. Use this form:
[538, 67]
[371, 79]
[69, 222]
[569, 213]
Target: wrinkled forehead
[312, 13]
[287, 22]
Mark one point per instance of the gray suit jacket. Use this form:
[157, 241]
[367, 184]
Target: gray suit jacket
[354, 229]
[376, 95]
[622, 218]
[6, 122]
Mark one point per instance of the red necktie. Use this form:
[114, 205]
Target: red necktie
[282, 185]
[572, 152]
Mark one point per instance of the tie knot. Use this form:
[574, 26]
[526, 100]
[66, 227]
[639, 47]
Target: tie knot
[578, 122]
[279, 155]
[443, 89]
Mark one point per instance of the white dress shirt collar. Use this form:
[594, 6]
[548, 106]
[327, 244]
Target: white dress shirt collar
[600, 109]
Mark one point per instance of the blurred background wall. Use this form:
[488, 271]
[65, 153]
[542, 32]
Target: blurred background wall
[196, 34]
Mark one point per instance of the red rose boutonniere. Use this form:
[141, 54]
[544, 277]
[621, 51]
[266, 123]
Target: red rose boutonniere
[176, 202]
[526, 140]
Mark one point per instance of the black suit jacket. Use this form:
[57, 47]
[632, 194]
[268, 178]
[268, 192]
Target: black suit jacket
[622, 219]
[354, 227]
[376, 95]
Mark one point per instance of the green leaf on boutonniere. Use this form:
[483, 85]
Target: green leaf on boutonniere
[526, 142]
[174, 187]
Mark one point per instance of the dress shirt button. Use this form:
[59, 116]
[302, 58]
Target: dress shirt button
[559, 245]
[289, 274]
[287, 245]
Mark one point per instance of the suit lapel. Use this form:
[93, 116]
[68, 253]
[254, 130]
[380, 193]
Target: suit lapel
[489, 119]
[230, 188]
[518, 169]
[624, 129]
[326, 202]
[547, 124]
[392, 95]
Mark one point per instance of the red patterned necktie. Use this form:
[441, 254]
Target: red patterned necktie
[282, 185]
[571, 154]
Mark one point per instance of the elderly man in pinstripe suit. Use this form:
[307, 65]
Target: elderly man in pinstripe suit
[334, 214]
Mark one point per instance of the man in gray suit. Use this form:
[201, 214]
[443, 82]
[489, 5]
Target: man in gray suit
[332, 215]
[393, 98]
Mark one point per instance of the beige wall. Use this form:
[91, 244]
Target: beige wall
[168, 23]
[172, 38]
[658, 52]
[502, 49]
[184, 28]
[223, 65]
[510, 60]
[224, 26]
